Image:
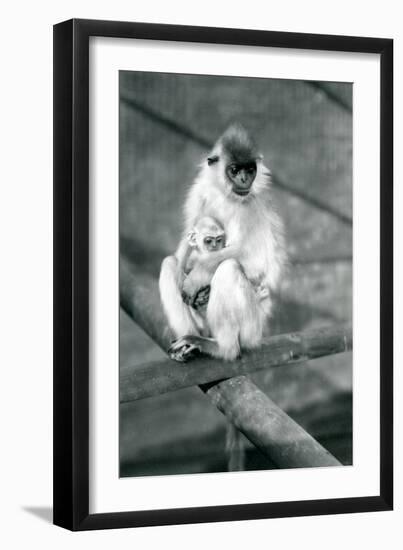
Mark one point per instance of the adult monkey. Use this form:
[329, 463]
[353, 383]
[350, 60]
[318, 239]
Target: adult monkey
[233, 187]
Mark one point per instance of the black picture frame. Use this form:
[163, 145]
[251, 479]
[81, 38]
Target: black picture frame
[71, 274]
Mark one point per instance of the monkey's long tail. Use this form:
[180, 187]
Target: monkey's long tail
[235, 449]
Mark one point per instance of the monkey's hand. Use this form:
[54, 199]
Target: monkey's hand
[262, 292]
[196, 288]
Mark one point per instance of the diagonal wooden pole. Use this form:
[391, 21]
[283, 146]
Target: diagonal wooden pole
[285, 349]
[269, 428]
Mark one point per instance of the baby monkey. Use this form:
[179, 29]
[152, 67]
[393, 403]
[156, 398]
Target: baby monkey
[206, 237]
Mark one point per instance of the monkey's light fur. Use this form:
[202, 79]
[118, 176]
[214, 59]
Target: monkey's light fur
[252, 259]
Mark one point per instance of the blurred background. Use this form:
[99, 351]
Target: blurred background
[168, 122]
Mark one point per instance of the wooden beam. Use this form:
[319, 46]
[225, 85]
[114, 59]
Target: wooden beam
[267, 426]
[248, 408]
[293, 348]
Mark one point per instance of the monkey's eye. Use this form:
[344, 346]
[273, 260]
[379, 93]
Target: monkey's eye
[218, 240]
[208, 240]
[234, 169]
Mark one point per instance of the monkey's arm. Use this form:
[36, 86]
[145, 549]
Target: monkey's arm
[182, 254]
[202, 273]
[209, 263]
[193, 208]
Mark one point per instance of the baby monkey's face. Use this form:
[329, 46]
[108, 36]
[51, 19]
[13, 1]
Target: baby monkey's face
[212, 243]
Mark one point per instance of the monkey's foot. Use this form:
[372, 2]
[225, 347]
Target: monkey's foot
[201, 298]
[184, 349]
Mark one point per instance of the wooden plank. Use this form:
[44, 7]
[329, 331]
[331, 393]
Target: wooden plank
[268, 427]
[295, 348]
[250, 410]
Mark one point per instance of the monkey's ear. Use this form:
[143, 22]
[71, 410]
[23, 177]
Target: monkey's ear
[191, 237]
[212, 160]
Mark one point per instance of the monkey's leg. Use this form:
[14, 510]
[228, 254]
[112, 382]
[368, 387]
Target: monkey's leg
[234, 315]
[178, 314]
[235, 320]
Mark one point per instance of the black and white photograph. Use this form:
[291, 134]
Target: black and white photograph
[200, 275]
[235, 221]
[223, 269]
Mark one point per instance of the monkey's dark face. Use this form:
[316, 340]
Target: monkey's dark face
[241, 176]
[236, 152]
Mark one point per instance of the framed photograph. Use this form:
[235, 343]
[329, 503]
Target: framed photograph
[222, 229]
